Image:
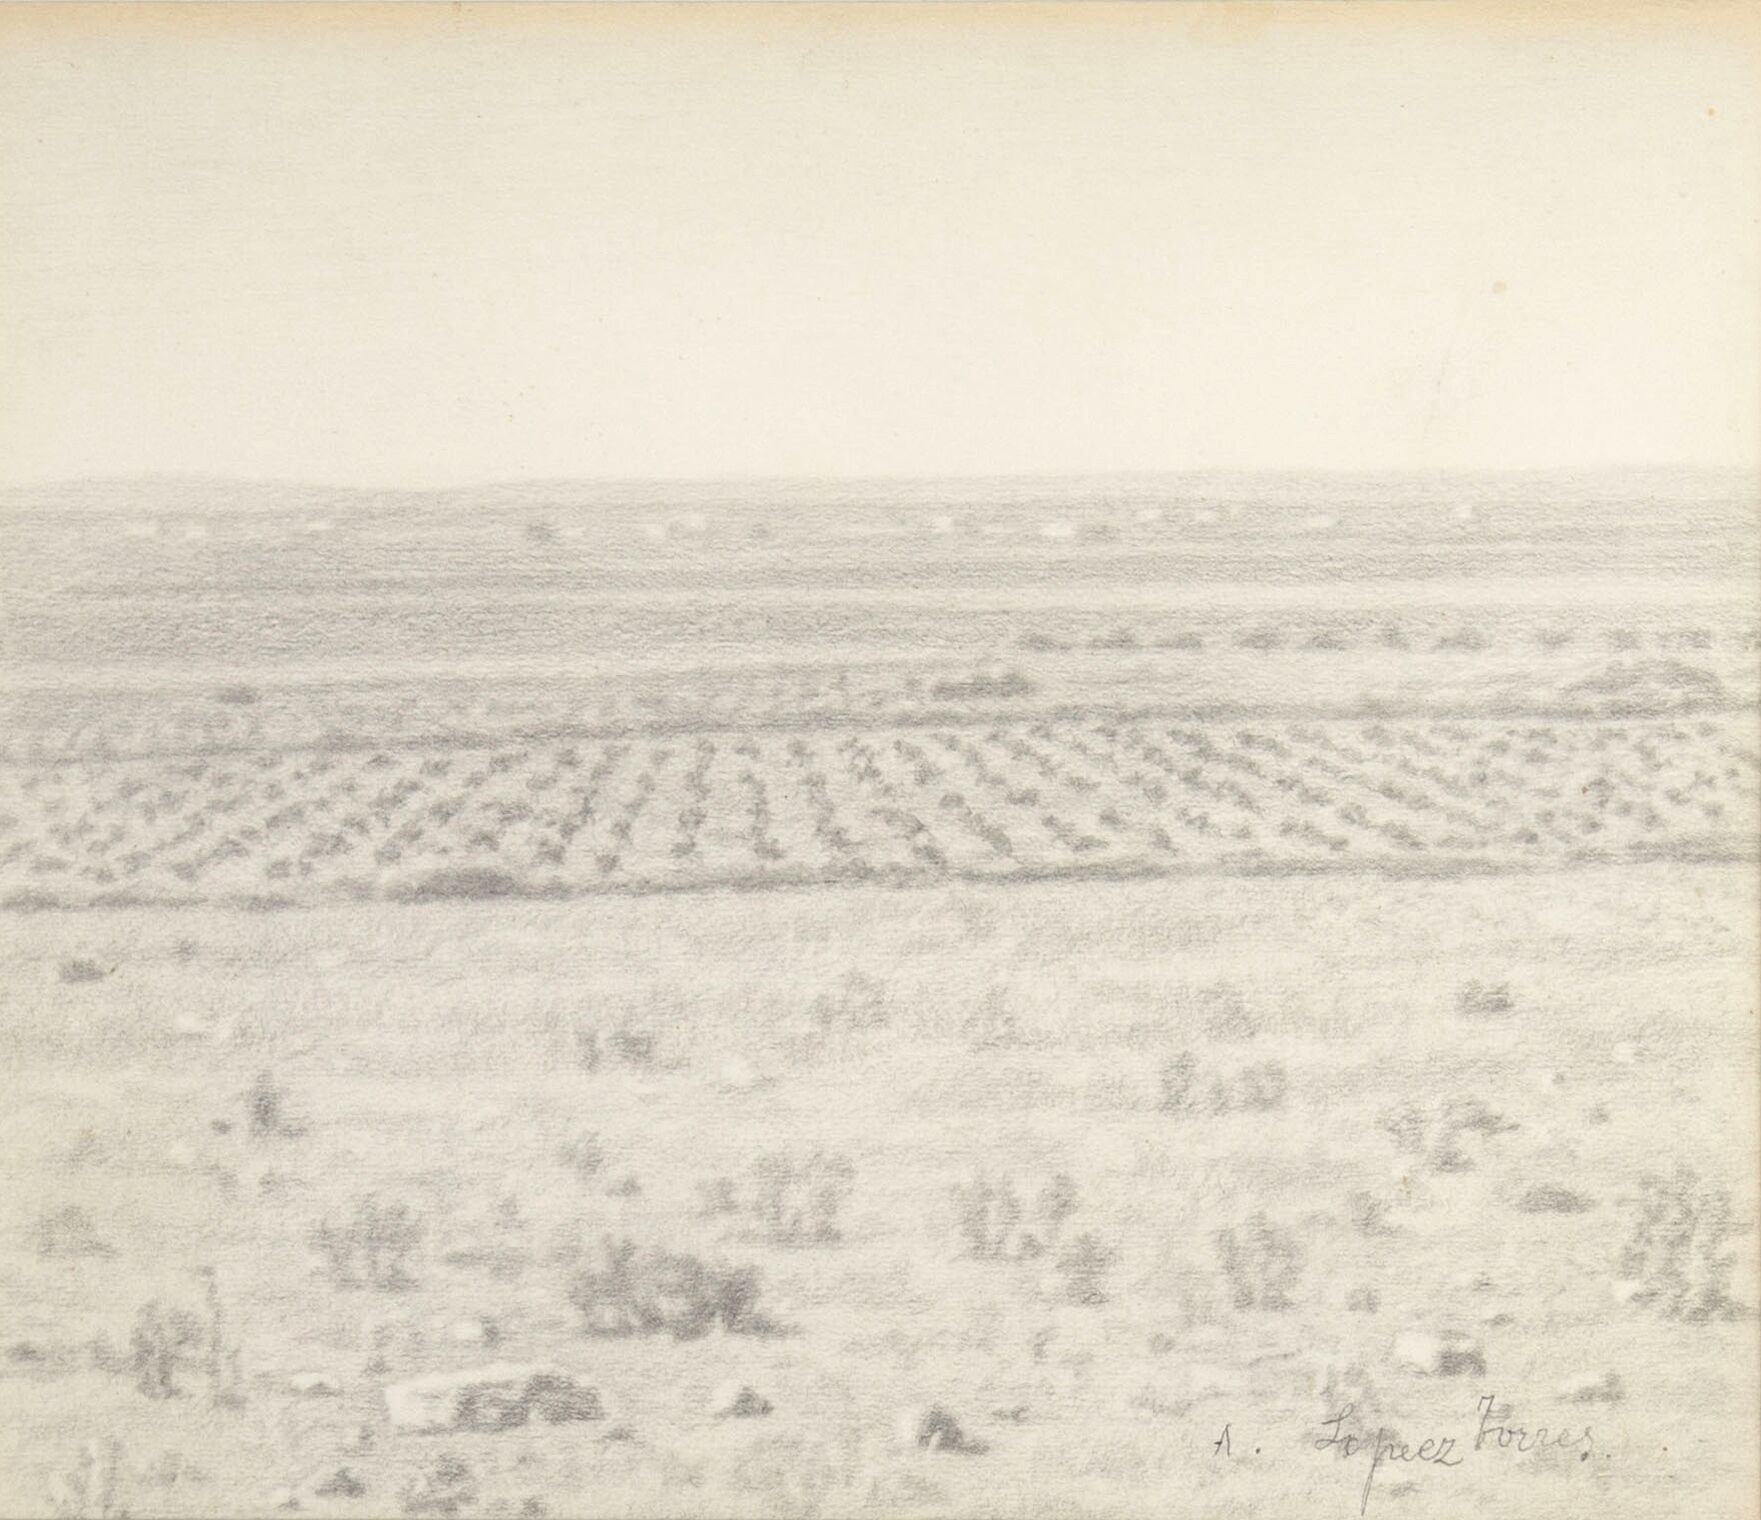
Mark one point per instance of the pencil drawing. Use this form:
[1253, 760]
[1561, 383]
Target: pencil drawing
[1102, 964]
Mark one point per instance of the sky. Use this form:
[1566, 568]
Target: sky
[421, 245]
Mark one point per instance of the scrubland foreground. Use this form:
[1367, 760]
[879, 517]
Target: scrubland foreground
[1314, 1195]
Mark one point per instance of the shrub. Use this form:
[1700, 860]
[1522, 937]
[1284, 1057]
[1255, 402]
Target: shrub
[583, 1155]
[89, 1491]
[1057, 1201]
[163, 1343]
[857, 1004]
[1261, 1087]
[1675, 1253]
[1406, 1124]
[1261, 1263]
[993, 1021]
[1083, 1267]
[987, 1214]
[446, 1487]
[589, 1055]
[1225, 1012]
[265, 1106]
[797, 1203]
[990, 1218]
[70, 1232]
[1367, 1212]
[648, 1291]
[1178, 1076]
[717, 1196]
[373, 1248]
[81, 969]
[1437, 1135]
[634, 1047]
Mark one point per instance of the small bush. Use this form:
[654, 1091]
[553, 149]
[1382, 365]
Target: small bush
[1437, 1134]
[994, 1225]
[993, 1021]
[798, 1203]
[987, 1215]
[1223, 1008]
[1367, 1212]
[1259, 1087]
[634, 1047]
[373, 1248]
[589, 1054]
[446, 1487]
[647, 1292]
[583, 1155]
[1057, 1202]
[70, 1232]
[1178, 1076]
[1407, 1125]
[857, 1005]
[1675, 1252]
[265, 1106]
[717, 1196]
[81, 969]
[163, 1343]
[1261, 1262]
[90, 1491]
[1083, 1267]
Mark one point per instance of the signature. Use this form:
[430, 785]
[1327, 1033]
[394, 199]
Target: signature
[1384, 1448]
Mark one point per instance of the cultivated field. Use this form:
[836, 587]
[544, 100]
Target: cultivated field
[813, 806]
[912, 1002]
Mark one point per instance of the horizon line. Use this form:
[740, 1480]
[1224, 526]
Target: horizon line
[1145, 476]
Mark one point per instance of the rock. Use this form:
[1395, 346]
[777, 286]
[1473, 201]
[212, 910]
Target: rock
[284, 1498]
[1438, 1355]
[1549, 1198]
[934, 1428]
[314, 1385]
[496, 1397]
[341, 1484]
[735, 1074]
[1592, 1388]
[472, 1332]
[738, 1401]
